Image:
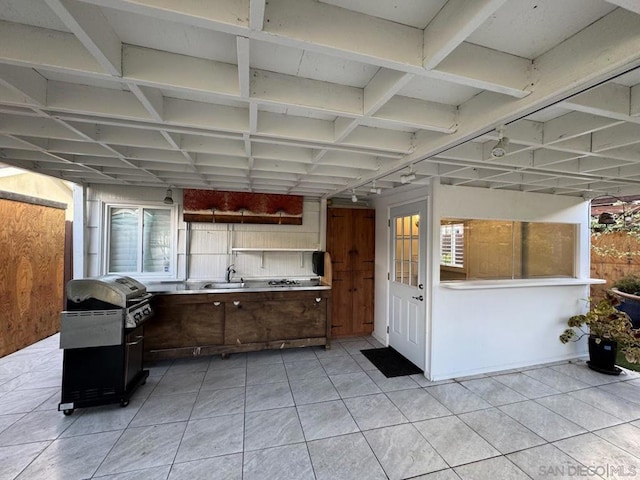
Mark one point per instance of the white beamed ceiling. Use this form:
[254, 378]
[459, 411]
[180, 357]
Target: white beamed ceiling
[321, 98]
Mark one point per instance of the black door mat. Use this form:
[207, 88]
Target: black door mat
[390, 362]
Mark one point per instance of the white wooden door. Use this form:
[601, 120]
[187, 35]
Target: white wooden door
[407, 289]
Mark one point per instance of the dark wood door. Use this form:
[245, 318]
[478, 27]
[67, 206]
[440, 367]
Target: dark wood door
[351, 242]
[362, 302]
[339, 238]
[363, 239]
[342, 304]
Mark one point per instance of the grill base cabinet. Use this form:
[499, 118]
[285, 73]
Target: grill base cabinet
[102, 375]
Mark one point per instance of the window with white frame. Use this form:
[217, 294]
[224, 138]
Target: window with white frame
[452, 245]
[140, 240]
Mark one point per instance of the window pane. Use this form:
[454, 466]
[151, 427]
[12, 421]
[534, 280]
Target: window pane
[156, 247]
[547, 250]
[501, 249]
[123, 251]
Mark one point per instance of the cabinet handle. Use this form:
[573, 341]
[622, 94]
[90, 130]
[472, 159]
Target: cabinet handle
[318, 299]
[236, 303]
[139, 339]
[216, 304]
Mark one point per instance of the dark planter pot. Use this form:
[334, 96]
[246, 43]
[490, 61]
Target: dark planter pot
[602, 356]
[630, 304]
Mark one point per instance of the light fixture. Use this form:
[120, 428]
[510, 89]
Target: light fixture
[375, 190]
[606, 219]
[408, 177]
[168, 199]
[354, 197]
[500, 148]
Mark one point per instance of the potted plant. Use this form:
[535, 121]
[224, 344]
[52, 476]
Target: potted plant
[609, 330]
[627, 289]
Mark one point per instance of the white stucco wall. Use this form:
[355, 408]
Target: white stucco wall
[483, 330]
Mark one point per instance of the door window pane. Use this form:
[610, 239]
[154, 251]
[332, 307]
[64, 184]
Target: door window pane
[407, 249]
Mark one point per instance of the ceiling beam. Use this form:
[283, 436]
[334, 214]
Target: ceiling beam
[90, 27]
[25, 81]
[631, 5]
[268, 87]
[39, 47]
[150, 98]
[229, 16]
[609, 100]
[606, 48]
[327, 29]
[487, 69]
[244, 80]
[452, 25]
[149, 67]
[256, 14]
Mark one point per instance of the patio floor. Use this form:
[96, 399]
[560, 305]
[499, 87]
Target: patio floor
[310, 413]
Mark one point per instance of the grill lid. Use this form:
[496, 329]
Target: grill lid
[114, 289]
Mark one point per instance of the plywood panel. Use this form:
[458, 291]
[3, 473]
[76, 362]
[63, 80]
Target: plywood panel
[31, 273]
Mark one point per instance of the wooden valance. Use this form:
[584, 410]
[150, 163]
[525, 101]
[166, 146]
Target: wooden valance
[215, 206]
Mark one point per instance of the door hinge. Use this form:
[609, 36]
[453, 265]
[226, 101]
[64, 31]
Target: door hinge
[388, 276]
[387, 328]
[389, 223]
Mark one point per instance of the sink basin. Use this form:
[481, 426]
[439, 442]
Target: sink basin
[219, 285]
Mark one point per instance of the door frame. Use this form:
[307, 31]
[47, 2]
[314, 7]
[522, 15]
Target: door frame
[426, 274]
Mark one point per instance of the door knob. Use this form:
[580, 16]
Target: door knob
[419, 297]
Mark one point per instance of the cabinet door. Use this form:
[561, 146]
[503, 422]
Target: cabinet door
[363, 302]
[184, 321]
[363, 223]
[341, 304]
[268, 321]
[339, 239]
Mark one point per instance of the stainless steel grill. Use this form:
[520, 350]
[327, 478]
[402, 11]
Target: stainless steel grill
[101, 332]
[111, 292]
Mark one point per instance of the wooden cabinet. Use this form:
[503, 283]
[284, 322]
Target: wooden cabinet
[269, 319]
[205, 324]
[185, 322]
[351, 242]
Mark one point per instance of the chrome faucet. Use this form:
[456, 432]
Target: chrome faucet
[230, 272]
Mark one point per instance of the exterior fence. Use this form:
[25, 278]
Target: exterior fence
[613, 256]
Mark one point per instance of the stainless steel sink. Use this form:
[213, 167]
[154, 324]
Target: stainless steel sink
[221, 285]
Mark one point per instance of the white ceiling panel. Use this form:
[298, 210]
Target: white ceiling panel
[434, 90]
[529, 28]
[31, 12]
[181, 38]
[415, 13]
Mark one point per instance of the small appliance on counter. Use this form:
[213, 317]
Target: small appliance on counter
[102, 334]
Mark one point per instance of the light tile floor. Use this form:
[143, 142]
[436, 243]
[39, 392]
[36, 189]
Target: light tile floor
[316, 414]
